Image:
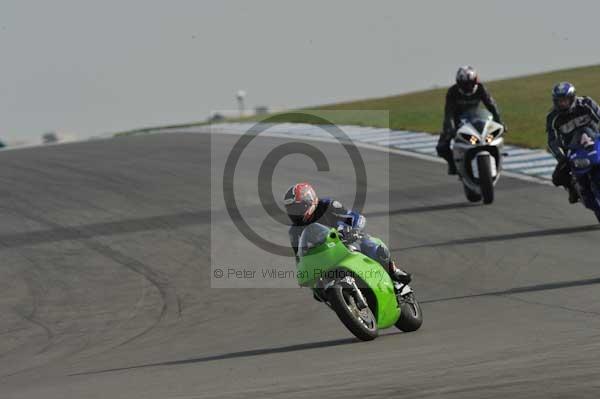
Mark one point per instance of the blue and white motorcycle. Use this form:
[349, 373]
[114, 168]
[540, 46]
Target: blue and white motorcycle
[584, 161]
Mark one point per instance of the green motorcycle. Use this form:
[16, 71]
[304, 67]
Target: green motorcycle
[355, 286]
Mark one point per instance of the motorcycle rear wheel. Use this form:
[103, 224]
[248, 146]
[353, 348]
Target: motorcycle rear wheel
[595, 189]
[597, 213]
[411, 316]
[471, 195]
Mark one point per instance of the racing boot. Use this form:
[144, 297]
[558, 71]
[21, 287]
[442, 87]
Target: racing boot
[398, 274]
[573, 195]
[443, 151]
[451, 167]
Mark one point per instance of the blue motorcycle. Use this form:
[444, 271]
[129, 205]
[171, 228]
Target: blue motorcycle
[584, 161]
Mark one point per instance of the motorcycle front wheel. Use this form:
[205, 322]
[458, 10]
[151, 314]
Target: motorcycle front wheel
[361, 323]
[486, 181]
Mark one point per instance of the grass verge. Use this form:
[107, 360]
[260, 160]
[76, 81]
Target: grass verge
[524, 103]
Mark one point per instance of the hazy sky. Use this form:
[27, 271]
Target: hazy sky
[91, 67]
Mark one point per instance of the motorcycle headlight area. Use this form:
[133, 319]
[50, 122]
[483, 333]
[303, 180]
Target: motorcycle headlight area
[492, 135]
[470, 138]
[581, 163]
[312, 236]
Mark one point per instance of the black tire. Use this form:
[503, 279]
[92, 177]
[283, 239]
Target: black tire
[594, 190]
[597, 213]
[411, 316]
[471, 195]
[486, 181]
[343, 304]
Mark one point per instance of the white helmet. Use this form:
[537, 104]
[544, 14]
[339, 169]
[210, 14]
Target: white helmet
[467, 80]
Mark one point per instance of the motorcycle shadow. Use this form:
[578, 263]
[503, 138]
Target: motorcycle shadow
[505, 237]
[243, 354]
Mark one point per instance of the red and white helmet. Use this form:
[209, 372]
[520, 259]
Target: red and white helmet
[300, 200]
[467, 80]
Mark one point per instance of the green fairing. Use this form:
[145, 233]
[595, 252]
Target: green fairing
[334, 255]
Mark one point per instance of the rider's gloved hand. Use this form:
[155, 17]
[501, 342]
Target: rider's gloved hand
[348, 233]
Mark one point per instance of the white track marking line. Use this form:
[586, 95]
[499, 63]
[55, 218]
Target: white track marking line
[374, 138]
[533, 155]
[392, 150]
[420, 151]
[424, 137]
[397, 137]
[528, 165]
[422, 144]
[539, 171]
[518, 152]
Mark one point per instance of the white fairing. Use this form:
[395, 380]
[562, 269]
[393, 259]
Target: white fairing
[492, 129]
[468, 139]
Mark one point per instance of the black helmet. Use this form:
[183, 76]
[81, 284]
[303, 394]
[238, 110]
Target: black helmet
[563, 96]
[467, 80]
[300, 202]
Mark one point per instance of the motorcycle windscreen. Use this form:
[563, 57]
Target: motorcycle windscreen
[313, 236]
[477, 116]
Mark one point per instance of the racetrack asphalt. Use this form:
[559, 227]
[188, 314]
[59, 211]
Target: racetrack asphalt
[108, 248]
